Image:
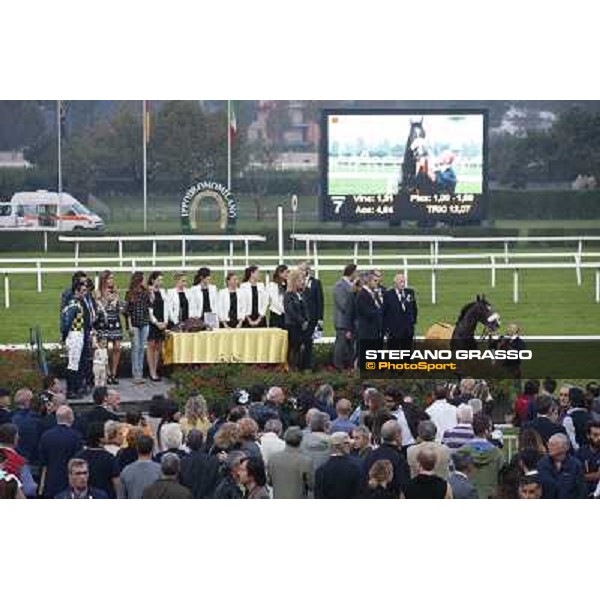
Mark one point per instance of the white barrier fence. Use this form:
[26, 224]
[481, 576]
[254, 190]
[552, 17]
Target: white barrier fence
[434, 241]
[154, 239]
[434, 269]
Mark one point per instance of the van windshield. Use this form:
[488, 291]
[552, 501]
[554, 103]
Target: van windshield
[80, 209]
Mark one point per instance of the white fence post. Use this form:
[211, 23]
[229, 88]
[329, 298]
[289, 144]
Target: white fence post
[6, 291]
[493, 260]
[38, 264]
[506, 252]
[433, 290]
[405, 261]
[76, 254]
[316, 260]
[120, 253]
[578, 269]
[516, 286]
[183, 252]
[154, 253]
[280, 233]
[597, 285]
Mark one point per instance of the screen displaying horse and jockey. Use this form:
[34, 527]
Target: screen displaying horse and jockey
[393, 165]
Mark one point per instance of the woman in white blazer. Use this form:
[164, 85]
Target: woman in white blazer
[179, 301]
[276, 289]
[229, 305]
[254, 298]
[201, 290]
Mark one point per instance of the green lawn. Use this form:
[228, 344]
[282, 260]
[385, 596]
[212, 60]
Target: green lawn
[550, 301]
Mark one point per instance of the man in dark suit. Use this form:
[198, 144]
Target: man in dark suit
[370, 311]
[343, 311]
[101, 413]
[313, 296]
[390, 449]
[546, 421]
[400, 314]
[57, 447]
[340, 476]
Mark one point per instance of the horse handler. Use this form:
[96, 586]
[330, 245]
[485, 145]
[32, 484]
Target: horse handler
[400, 314]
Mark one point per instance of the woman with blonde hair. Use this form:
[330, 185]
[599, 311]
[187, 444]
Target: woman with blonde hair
[296, 321]
[226, 439]
[381, 474]
[179, 301]
[110, 308]
[113, 436]
[195, 416]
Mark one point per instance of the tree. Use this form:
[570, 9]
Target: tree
[21, 124]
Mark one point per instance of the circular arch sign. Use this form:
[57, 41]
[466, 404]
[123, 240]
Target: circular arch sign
[208, 192]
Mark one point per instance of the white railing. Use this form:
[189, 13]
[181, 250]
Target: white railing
[433, 268]
[434, 241]
[154, 239]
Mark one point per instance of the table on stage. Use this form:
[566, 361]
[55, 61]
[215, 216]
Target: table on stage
[261, 345]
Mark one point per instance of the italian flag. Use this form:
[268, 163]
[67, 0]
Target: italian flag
[232, 121]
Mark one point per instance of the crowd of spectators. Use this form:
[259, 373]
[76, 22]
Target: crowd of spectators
[262, 444]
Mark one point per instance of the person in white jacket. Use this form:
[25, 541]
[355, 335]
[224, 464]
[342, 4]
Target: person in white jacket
[178, 301]
[254, 298]
[204, 294]
[229, 307]
[276, 289]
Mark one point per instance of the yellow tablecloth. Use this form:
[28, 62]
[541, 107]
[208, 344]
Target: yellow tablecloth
[263, 345]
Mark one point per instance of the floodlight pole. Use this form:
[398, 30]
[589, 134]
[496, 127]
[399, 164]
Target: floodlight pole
[60, 190]
[145, 161]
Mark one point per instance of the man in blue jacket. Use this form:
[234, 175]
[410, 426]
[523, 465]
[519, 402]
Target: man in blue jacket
[560, 473]
[79, 488]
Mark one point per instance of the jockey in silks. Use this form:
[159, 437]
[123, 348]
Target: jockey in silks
[72, 331]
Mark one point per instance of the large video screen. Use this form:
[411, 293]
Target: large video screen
[400, 165]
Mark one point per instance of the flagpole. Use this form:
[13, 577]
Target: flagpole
[58, 126]
[145, 153]
[229, 144]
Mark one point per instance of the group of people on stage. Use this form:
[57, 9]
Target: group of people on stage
[92, 321]
[365, 310]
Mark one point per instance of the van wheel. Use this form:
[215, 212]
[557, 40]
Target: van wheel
[77, 228]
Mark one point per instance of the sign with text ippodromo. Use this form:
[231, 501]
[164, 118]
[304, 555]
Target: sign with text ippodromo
[203, 193]
[560, 359]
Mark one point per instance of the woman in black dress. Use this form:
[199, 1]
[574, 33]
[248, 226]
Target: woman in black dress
[110, 307]
[296, 320]
[158, 323]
